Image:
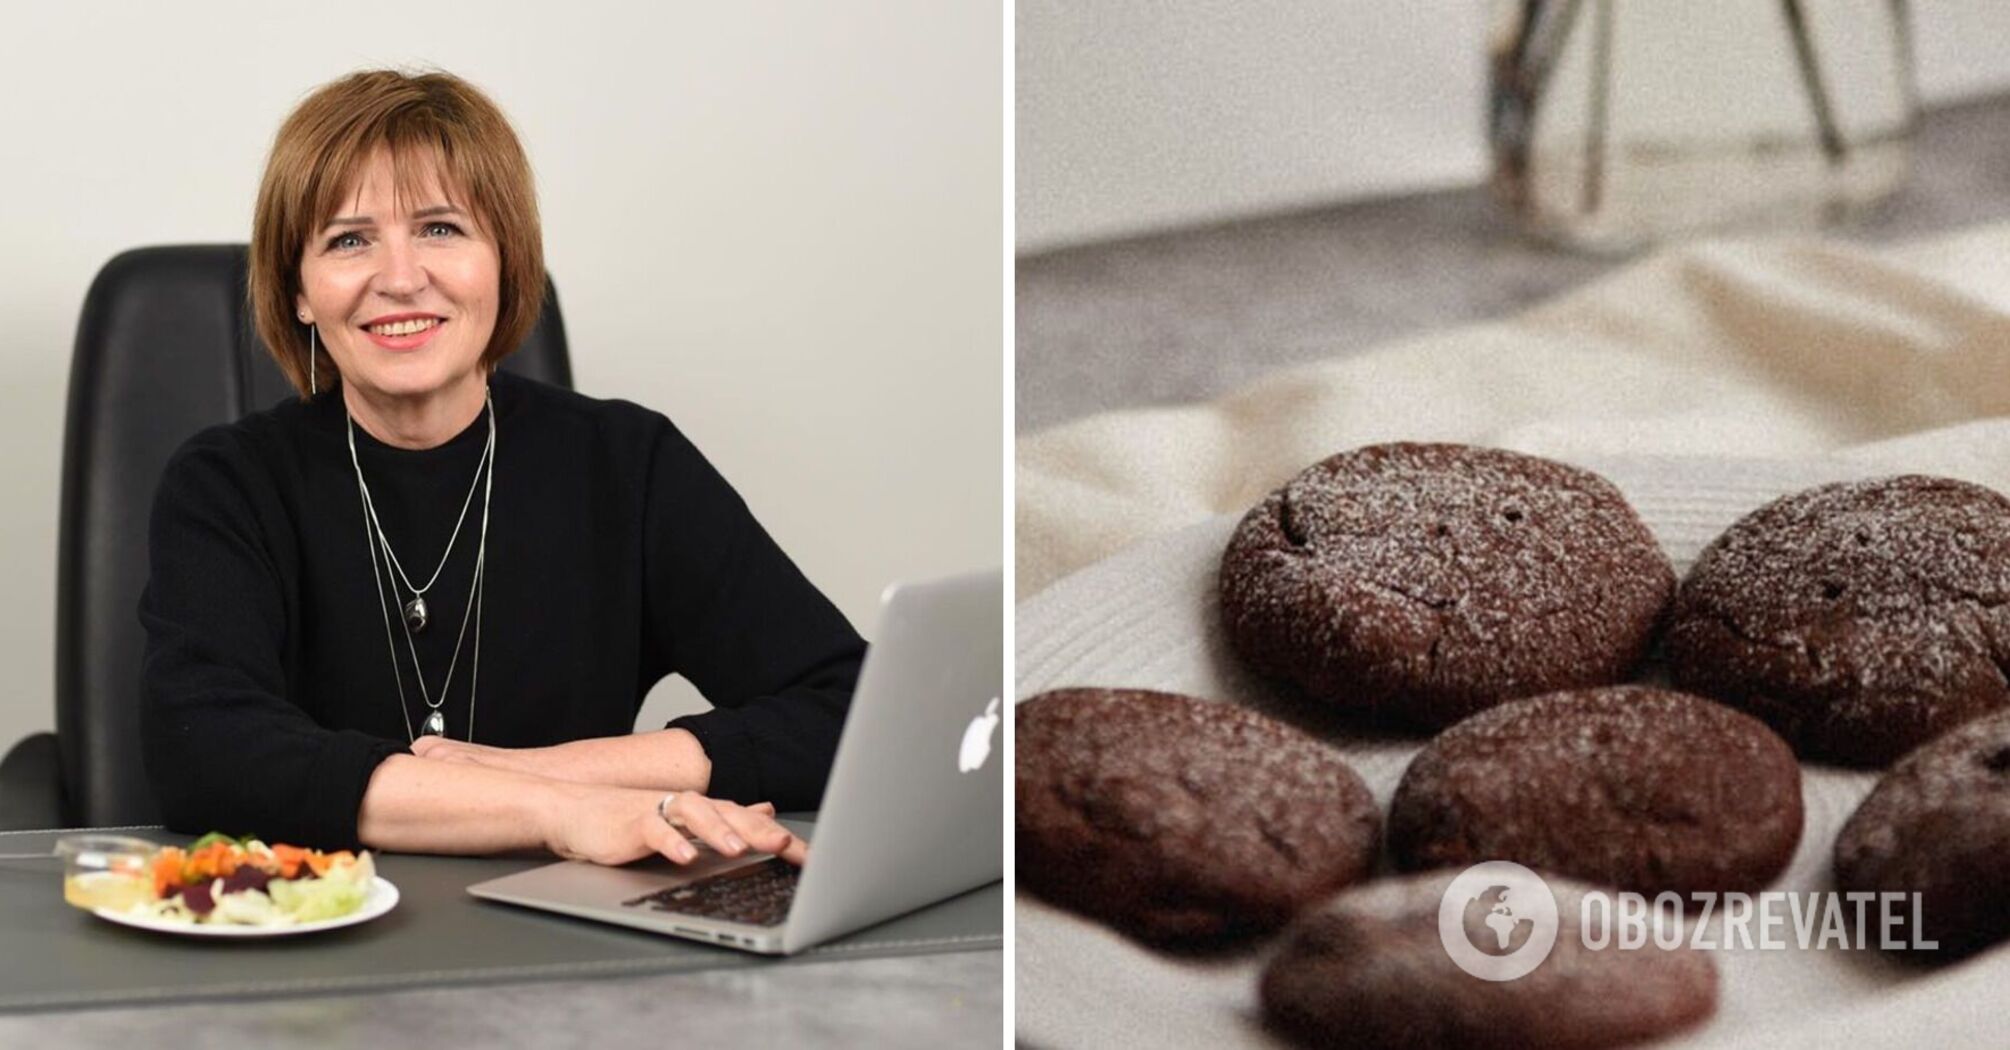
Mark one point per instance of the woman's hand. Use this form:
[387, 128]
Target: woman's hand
[617, 825]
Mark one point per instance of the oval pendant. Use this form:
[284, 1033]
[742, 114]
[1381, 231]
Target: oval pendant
[436, 725]
[415, 614]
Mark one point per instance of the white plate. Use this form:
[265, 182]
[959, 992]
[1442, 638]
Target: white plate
[382, 898]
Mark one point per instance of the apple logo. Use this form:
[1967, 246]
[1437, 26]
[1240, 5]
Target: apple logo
[977, 739]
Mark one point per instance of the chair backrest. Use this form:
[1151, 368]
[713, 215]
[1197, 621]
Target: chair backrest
[165, 348]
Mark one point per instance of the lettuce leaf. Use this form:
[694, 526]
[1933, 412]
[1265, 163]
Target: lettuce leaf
[247, 908]
[331, 896]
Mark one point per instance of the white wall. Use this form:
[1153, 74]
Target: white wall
[1137, 115]
[779, 223]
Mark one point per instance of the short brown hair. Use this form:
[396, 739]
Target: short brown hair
[323, 147]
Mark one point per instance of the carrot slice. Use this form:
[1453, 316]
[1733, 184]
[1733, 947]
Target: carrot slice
[290, 858]
[167, 870]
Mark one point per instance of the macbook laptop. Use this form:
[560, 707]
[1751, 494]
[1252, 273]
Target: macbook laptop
[912, 813]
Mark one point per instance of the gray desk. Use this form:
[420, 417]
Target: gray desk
[923, 1002]
[953, 998]
[1189, 315]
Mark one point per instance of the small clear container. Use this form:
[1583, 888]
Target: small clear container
[106, 871]
[1620, 123]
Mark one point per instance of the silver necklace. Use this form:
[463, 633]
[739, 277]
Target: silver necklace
[417, 615]
[373, 537]
[435, 723]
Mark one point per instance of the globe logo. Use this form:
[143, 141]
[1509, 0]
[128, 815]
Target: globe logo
[1498, 920]
[1492, 910]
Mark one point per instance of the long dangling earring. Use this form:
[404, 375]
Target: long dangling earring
[313, 383]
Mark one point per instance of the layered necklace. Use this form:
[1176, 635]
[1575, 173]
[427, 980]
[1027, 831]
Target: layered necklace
[415, 614]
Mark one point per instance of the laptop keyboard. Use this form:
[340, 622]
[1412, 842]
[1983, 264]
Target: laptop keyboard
[757, 894]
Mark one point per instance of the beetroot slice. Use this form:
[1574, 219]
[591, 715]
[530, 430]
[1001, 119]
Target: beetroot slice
[198, 899]
[245, 878]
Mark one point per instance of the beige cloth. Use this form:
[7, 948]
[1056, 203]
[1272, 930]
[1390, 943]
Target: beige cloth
[1703, 381]
[1751, 349]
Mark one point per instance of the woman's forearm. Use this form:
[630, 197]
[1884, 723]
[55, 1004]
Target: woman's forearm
[661, 760]
[412, 805]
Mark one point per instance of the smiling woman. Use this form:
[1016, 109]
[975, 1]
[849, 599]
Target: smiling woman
[356, 285]
[428, 206]
[395, 261]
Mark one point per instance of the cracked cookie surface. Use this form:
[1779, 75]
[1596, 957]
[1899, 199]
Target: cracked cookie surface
[1861, 619]
[1179, 820]
[1435, 580]
[1640, 788]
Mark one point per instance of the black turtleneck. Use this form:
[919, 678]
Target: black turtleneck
[616, 555]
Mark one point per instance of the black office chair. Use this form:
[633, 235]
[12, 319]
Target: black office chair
[165, 348]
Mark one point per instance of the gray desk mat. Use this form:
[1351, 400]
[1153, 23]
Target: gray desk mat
[53, 956]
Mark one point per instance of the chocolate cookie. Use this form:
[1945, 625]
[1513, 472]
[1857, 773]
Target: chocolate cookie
[1938, 824]
[1442, 579]
[1640, 788]
[1178, 820]
[1370, 970]
[1861, 619]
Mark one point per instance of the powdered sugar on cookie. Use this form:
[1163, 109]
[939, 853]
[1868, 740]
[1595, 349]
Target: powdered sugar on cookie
[1860, 618]
[1440, 579]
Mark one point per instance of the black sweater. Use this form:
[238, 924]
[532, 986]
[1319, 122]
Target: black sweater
[616, 556]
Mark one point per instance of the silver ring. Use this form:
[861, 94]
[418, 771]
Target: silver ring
[662, 807]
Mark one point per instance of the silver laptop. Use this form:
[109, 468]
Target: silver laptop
[913, 812]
